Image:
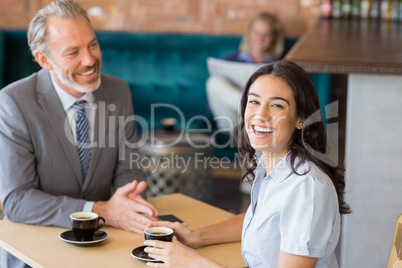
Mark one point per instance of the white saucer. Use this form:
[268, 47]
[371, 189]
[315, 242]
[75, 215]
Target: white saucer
[69, 237]
[140, 254]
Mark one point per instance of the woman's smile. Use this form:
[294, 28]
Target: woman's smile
[261, 131]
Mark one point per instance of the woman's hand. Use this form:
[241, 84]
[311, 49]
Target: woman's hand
[175, 254]
[183, 234]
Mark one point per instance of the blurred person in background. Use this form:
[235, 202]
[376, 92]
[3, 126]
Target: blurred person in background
[263, 42]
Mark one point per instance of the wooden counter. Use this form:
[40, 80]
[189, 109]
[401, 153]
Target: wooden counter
[343, 47]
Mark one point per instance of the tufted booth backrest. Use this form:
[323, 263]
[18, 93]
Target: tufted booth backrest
[160, 68]
[18, 60]
[164, 69]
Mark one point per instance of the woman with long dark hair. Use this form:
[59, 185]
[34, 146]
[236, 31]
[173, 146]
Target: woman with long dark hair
[296, 199]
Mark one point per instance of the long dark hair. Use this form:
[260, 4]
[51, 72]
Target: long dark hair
[312, 135]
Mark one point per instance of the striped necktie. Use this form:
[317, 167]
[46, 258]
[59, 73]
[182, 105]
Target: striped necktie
[82, 136]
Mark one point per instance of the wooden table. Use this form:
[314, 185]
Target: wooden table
[370, 54]
[40, 246]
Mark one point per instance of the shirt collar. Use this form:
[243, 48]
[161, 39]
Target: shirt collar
[280, 173]
[66, 99]
[245, 57]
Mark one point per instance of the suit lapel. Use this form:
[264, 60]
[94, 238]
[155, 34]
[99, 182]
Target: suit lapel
[52, 107]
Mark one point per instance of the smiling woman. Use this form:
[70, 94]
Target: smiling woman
[294, 216]
[270, 116]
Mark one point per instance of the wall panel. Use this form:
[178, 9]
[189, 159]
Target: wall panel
[177, 16]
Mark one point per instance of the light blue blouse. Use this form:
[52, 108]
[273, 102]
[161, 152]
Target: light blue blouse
[295, 214]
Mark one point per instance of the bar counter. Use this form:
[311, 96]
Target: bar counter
[350, 46]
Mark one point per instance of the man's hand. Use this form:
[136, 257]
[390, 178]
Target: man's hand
[126, 209]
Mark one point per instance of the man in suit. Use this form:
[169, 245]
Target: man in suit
[43, 178]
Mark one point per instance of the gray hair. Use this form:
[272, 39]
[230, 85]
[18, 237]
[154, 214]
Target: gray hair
[37, 29]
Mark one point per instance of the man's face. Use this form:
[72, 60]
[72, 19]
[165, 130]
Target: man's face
[75, 57]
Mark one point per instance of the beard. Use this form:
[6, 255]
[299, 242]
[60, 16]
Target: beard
[71, 81]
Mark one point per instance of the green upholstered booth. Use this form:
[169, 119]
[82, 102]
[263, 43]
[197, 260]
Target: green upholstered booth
[160, 68]
[164, 69]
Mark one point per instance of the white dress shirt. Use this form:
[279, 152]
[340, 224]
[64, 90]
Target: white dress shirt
[67, 101]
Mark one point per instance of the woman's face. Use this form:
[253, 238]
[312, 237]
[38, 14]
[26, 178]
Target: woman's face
[261, 36]
[270, 116]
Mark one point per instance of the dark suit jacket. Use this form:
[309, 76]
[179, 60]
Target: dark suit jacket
[40, 170]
